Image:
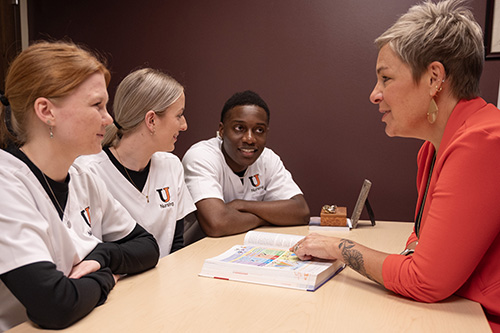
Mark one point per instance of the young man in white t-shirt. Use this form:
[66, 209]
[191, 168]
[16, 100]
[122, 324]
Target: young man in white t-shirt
[236, 182]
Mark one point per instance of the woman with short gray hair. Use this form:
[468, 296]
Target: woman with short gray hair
[428, 71]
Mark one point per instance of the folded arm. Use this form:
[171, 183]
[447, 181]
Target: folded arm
[293, 211]
[135, 253]
[219, 219]
[53, 300]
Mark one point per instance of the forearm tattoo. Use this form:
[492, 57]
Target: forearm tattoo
[352, 257]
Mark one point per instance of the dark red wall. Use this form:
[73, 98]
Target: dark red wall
[312, 61]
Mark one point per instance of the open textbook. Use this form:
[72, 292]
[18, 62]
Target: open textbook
[265, 259]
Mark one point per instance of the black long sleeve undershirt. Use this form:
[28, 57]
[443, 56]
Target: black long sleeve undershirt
[178, 242]
[55, 301]
[133, 254]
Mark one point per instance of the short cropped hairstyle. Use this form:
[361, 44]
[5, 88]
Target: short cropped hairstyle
[139, 92]
[246, 97]
[446, 32]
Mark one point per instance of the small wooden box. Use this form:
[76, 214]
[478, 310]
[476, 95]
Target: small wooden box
[338, 218]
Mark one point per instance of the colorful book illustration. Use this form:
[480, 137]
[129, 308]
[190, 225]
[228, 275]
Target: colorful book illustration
[265, 259]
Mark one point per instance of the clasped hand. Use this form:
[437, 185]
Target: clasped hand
[86, 267]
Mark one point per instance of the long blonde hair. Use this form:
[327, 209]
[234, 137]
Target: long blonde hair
[139, 92]
[44, 69]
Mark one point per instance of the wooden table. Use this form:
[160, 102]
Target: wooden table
[172, 298]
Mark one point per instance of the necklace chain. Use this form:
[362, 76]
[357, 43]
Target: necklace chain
[53, 195]
[58, 205]
[130, 178]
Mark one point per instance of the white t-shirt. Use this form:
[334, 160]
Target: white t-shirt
[169, 198]
[32, 231]
[209, 176]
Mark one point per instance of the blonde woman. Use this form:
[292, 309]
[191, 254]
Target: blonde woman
[64, 240]
[136, 163]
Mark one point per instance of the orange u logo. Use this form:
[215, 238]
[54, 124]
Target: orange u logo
[161, 192]
[86, 216]
[257, 180]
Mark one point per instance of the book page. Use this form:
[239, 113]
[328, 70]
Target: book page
[258, 256]
[270, 239]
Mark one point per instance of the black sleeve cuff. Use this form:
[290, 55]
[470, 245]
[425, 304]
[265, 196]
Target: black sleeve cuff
[135, 253]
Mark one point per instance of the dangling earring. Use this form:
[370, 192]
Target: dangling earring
[432, 112]
[51, 134]
[217, 134]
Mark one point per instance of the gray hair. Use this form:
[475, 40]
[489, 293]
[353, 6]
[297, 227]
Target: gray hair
[139, 92]
[446, 32]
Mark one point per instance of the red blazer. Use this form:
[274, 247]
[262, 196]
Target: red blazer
[458, 250]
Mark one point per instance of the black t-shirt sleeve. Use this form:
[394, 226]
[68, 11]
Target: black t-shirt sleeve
[178, 242]
[52, 300]
[135, 253]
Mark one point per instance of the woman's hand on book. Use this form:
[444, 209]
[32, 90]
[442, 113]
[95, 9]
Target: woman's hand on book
[316, 246]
